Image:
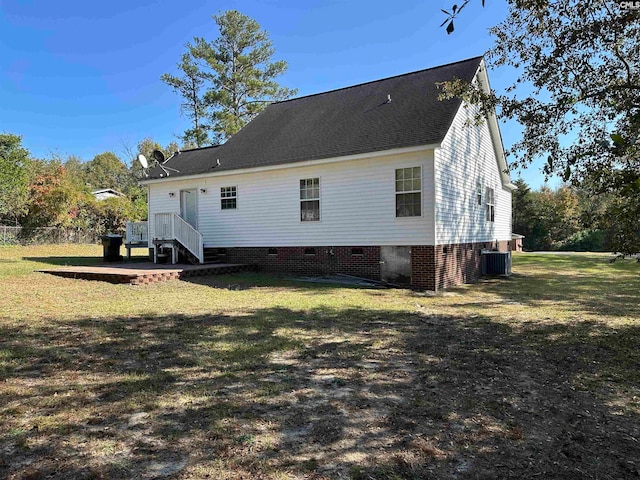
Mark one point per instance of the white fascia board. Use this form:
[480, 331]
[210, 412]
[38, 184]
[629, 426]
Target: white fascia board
[494, 130]
[306, 163]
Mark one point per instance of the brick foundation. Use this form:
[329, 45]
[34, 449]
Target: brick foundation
[432, 267]
[423, 265]
[443, 266]
[322, 260]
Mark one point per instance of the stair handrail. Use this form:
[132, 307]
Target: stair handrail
[171, 226]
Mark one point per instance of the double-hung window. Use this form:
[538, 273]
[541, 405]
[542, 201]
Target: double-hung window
[409, 192]
[491, 206]
[228, 198]
[310, 200]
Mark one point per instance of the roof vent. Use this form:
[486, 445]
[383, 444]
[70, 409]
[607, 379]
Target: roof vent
[389, 98]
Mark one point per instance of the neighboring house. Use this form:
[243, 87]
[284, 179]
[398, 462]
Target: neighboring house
[105, 193]
[379, 180]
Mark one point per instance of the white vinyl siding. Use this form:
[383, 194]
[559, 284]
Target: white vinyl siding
[465, 167]
[357, 205]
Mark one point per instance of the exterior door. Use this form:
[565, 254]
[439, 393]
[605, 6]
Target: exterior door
[395, 264]
[189, 207]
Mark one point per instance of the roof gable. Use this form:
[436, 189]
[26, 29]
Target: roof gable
[396, 112]
[494, 131]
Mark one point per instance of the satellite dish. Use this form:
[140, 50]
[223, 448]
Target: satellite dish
[158, 156]
[143, 161]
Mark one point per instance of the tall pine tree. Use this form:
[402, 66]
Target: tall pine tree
[228, 80]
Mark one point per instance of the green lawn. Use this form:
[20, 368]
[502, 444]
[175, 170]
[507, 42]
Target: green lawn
[253, 376]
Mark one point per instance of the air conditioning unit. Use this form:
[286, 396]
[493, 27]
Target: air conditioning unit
[496, 263]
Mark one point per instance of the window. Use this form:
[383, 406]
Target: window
[479, 194]
[491, 208]
[228, 198]
[310, 200]
[409, 192]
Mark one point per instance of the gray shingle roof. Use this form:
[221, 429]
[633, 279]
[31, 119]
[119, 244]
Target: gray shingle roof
[347, 121]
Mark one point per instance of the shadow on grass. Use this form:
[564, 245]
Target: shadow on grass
[83, 261]
[321, 393]
[249, 280]
[66, 261]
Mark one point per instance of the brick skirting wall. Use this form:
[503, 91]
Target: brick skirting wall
[357, 261]
[442, 266]
[423, 266]
[432, 267]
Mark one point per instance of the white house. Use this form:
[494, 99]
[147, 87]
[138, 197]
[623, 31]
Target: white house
[105, 193]
[380, 180]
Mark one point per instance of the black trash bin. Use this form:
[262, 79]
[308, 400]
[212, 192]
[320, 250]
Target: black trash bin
[111, 248]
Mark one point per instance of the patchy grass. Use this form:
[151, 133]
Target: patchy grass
[255, 376]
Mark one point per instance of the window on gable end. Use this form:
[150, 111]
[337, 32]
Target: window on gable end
[491, 206]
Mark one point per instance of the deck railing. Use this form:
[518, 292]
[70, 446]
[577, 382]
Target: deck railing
[171, 226]
[137, 232]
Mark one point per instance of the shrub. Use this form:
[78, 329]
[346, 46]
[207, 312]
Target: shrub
[583, 241]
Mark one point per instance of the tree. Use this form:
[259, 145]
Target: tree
[77, 172]
[53, 197]
[555, 219]
[577, 94]
[522, 208]
[191, 87]
[623, 224]
[106, 170]
[14, 176]
[237, 73]
[111, 215]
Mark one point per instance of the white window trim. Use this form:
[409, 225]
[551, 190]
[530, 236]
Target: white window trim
[319, 199]
[396, 193]
[490, 203]
[227, 198]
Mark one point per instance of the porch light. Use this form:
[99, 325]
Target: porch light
[203, 191]
[171, 194]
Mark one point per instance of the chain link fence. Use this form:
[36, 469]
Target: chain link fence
[46, 235]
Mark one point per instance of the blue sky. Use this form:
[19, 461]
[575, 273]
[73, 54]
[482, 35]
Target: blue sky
[80, 77]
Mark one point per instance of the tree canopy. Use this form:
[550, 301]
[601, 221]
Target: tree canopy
[37, 193]
[228, 81]
[191, 87]
[576, 94]
[106, 170]
[14, 175]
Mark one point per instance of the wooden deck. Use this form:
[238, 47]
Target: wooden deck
[144, 273]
